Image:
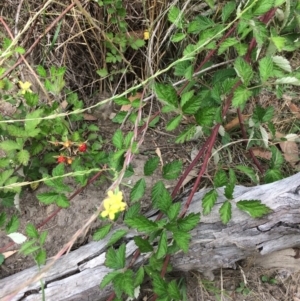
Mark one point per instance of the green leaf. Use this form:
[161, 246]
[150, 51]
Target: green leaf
[173, 290]
[107, 279]
[117, 235]
[262, 115]
[282, 63]
[125, 282]
[262, 7]
[23, 157]
[159, 285]
[290, 80]
[2, 219]
[150, 166]
[41, 257]
[225, 212]
[167, 94]
[265, 68]
[226, 44]
[249, 172]
[48, 197]
[32, 124]
[115, 259]
[58, 171]
[277, 158]
[62, 201]
[243, 70]
[121, 101]
[172, 170]
[41, 71]
[228, 192]
[153, 122]
[188, 222]
[173, 123]
[31, 99]
[136, 44]
[220, 178]
[28, 250]
[138, 190]
[253, 207]
[185, 97]
[177, 37]
[241, 49]
[139, 277]
[19, 132]
[143, 244]
[188, 74]
[273, 175]
[4, 162]
[205, 116]
[209, 201]
[157, 190]
[128, 139]
[102, 72]
[278, 2]
[119, 118]
[56, 184]
[240, 96]
[117, 139]
[32, 133]
[191, 106]
[175, 16]
[162, 246]
[200, 23]
[43, 237]
[173, 211]
[31, 231]
[117, 158]
[141, 223]
[12, 225]
[101, 232]
[227, 10]
[2, 258]
[5, 175]
[187, 134]
[9, 145]
[180, 68]
[133, 210]
[279, 42]
[182, 239]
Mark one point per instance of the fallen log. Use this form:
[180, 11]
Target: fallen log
[76, 276]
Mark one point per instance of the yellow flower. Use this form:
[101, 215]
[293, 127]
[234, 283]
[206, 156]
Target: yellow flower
[113, 204]
[146, 34]
[25, 87]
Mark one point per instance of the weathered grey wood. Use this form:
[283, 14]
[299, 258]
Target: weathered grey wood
[213, 244]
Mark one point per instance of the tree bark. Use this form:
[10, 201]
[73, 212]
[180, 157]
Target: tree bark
[76, 276]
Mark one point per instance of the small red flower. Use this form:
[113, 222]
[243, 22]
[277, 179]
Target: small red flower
[82, 147]
[61, 159]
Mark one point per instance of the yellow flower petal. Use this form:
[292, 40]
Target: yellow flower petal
[112, 215]
[113, 204]
[25, 87]
[146, 34]
[104, 213]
